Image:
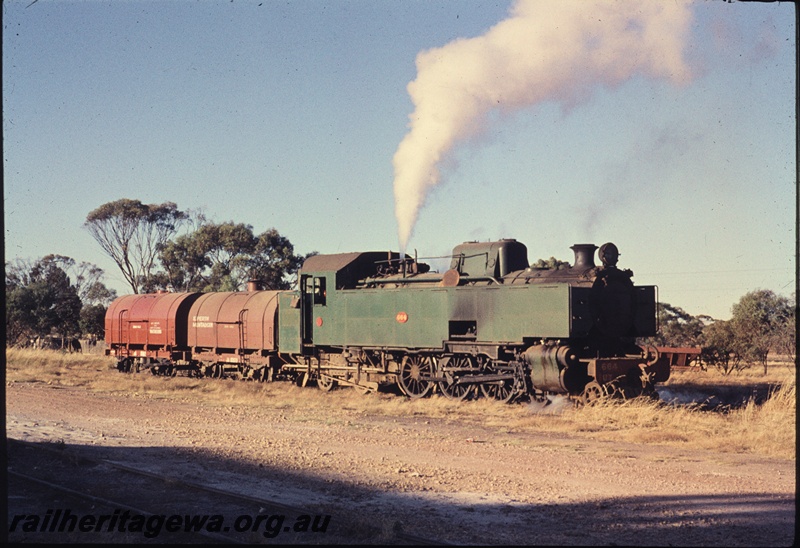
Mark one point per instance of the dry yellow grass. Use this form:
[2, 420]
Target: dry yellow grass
[777, 373]
[767, 428]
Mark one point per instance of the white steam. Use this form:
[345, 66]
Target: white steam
[545, 51]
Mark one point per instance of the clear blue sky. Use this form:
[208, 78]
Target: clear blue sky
[289, 114]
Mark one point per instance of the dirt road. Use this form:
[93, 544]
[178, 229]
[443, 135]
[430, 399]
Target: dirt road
[444, 480]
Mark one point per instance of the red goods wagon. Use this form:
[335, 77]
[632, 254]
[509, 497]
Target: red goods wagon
[234, 328]
[146, 328]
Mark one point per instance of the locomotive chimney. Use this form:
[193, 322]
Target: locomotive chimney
[584, 255]
[253, 285]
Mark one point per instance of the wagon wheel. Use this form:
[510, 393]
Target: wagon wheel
[124, 365]
[165, 368]
[414, 373]
[458, 391]
[592, 392]
[502, 391]
[264, 374]
[325, 382]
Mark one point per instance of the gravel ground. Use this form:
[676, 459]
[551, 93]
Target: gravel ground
[444, 480]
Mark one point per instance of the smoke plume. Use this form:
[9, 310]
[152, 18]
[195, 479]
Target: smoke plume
[545, 51]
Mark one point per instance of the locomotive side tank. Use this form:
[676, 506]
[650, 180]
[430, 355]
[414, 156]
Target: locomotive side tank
[342, 311]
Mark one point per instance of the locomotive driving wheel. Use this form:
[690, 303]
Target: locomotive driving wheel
[414, 373]
[502, 391]
[454, 391]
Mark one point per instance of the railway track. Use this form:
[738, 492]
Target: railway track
[55, 493]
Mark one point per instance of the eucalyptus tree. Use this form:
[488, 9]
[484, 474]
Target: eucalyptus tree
[225, 256]
[40, 301]
[757, 319]
[133, 233]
